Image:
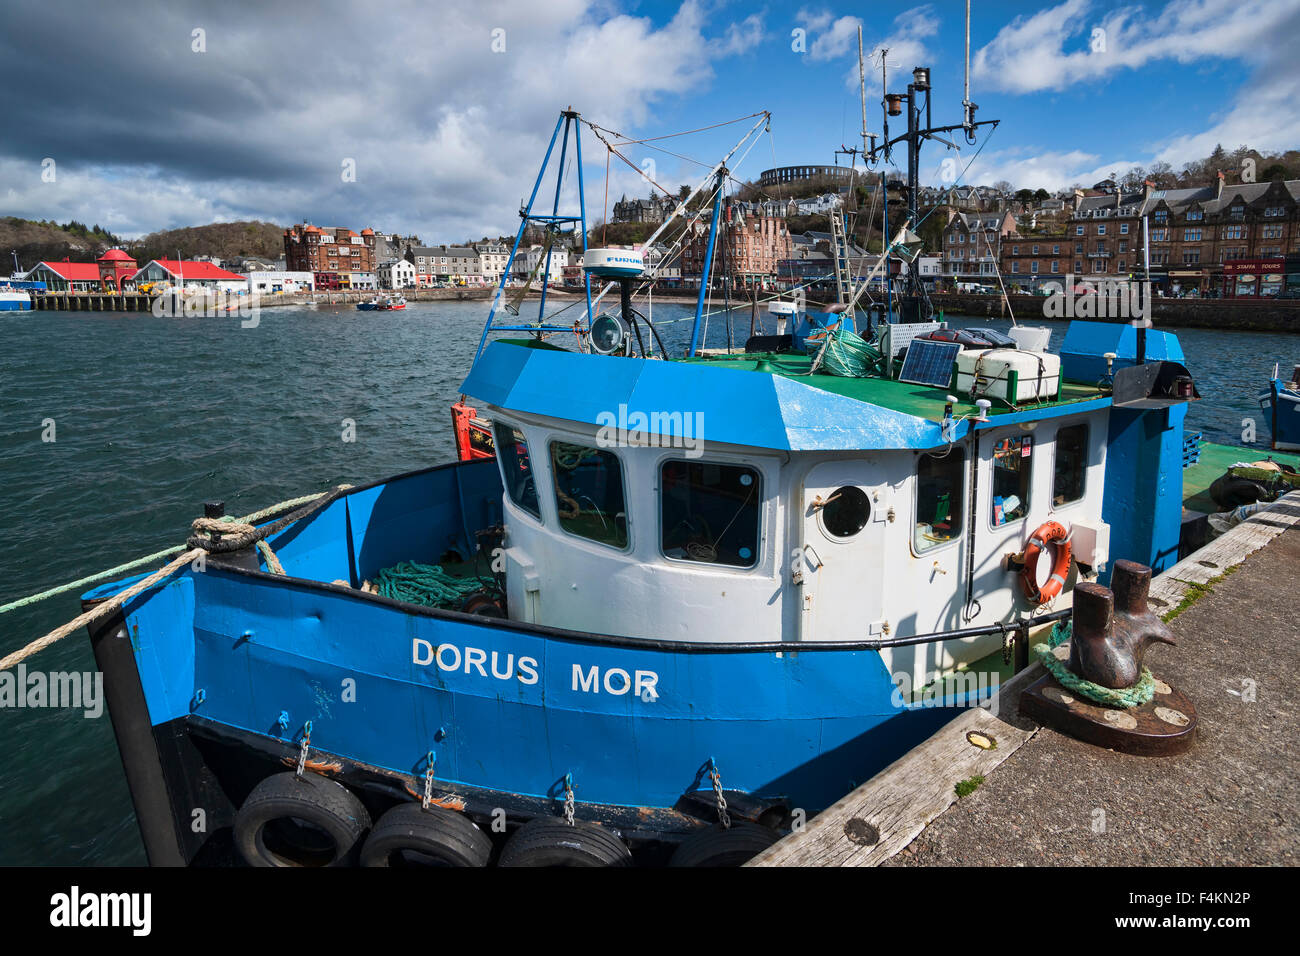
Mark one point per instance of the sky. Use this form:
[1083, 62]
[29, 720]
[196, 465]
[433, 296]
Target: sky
[432, 117]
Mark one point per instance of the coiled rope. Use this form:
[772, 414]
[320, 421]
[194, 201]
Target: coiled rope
[425, 584]
[211, 535]
[1125, 697]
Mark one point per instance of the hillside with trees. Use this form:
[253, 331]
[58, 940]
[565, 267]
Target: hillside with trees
[225, 240]
[35, 240]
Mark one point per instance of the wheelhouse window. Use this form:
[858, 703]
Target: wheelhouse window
[1012, 460]
[709, 512]
[517, 468]
[589, 493]
[1071, 464]
[938, 499]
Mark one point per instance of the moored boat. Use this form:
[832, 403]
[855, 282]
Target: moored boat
[1280, 403]
[670, 590]
[14, 300]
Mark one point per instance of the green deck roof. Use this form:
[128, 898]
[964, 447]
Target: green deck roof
[919, 400]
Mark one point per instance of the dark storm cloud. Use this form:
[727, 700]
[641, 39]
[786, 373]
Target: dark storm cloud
[444, 129]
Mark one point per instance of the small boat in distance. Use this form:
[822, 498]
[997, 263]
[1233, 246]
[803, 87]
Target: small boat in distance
[383, 303]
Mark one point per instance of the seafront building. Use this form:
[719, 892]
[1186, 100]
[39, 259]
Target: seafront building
[397, 274]
[190, 275]
[278, 282]
[1226, 239]
[338, 258]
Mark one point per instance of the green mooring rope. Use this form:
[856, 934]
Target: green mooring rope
[426, 584]
[1125, 697]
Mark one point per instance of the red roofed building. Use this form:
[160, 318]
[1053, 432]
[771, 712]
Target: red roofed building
[107, 274]
[116, 267]
[309, 248]
[175, 273]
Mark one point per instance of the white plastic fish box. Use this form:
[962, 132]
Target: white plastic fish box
[1013, 376]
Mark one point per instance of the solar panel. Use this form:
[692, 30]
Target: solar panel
[929, 363]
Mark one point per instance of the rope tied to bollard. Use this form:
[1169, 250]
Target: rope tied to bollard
[1124, 697]
[212, 535]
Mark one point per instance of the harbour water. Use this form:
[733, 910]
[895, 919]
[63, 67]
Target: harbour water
[150, 417]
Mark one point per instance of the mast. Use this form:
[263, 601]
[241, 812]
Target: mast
[862, 85]
[919, 130]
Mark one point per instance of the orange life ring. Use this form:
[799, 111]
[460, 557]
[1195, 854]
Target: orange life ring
[1049, 532]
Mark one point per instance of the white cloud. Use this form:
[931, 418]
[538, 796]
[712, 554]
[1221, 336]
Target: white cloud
[1029, 54]
[813, 21]
[836, 40]
[741, 37]
[1048, 169]
[1058, 49]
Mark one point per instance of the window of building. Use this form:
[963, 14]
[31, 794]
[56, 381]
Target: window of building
[1078, 230]
[1275, 211]
[589, 493]
[1195, 215]
[1056, 250]
[1191, 257]
[709, 512]
[1101, 229]
[1191, 235]
[1237, 212]
[517, 468]
[1123, 229]
[1160, 215]
[1033, 250]
[1012, 461]
[1071, 464]
[938, 499]
[1232, 232]
[1033, 266]
[1078, 266]
[1056, 266]
[1015, 250]
[1015, 268]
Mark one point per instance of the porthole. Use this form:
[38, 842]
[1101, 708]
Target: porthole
[847, 511]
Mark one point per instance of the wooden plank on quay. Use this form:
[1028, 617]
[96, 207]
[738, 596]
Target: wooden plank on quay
[1226, 551]
[900, 801]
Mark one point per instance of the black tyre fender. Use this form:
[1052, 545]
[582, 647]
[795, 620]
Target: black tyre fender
[1232, 491]
[436, 836]
[269, 827]
[549, 841]
[714, 846]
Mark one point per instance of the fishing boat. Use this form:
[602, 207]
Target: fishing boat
[668, 602]
[382, 304]
[1280, 403]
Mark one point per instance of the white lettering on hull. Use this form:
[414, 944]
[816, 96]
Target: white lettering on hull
[451, 659]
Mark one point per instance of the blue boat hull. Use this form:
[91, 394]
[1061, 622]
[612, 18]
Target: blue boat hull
[507, 709]
[1281, 407]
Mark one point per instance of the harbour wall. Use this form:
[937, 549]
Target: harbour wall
[140, 302]
[1251, 315]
